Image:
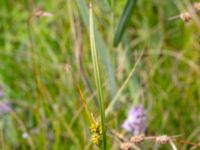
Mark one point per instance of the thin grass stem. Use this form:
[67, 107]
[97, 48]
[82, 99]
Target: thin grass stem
[110, 106]
[97, 76]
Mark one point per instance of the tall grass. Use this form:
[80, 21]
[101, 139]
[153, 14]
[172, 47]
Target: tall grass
[100, 45]
[156, 63]
[97, 76]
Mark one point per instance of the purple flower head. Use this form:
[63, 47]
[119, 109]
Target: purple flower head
[136, 120]
[5, 107]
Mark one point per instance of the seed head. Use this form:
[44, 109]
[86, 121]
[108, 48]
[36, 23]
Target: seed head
[96, 128]
[126, 146]
[97, 139]
[185, 16]
[41, 13]
[197, 6]
[137, 139]
[164, 139]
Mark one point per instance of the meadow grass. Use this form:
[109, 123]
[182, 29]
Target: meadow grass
[43, 61]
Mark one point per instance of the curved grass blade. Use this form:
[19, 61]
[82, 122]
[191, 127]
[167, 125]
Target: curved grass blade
[125, 17]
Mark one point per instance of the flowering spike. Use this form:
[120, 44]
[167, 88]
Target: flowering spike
[136, 120]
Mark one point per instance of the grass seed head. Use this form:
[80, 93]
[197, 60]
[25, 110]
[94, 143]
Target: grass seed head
[126, 146]
[97, 139]
[197, 6]
[137, 139]
[185, 16]
[96, 130]
[164, 139]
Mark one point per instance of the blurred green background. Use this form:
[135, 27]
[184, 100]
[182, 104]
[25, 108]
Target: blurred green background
[44, 59]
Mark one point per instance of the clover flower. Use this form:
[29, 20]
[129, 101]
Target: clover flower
[136, 120]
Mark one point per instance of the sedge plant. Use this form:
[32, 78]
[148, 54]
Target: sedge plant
[97, 76]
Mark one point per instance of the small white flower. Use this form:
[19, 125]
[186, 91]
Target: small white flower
[25, 135]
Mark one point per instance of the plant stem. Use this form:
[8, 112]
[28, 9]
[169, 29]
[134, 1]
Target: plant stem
[97, 76]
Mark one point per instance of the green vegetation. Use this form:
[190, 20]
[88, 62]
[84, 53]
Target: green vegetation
[43, 59]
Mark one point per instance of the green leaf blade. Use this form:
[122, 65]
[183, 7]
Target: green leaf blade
[124, 20]
[100, 44]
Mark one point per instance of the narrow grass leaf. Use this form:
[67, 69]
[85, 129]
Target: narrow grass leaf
[85, 105]
[100, 44]
[97, 76]
[125, 17]
[115, 98]
[106, 3]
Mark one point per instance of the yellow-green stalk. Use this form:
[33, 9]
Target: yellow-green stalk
[97, 76]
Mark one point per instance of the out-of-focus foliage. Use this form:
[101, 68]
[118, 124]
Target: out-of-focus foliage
[43, 61]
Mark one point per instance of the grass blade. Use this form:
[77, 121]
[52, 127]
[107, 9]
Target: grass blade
[85, 105]
[100, 44]
[114, 100]
[97, 76]
[107, 3]
[125, 17]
